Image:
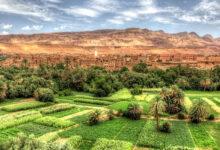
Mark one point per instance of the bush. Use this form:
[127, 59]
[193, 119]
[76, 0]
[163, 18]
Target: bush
[134, 111]
[94, 117]
[110, 114]
[211, 117]
[66, 92]
[166, 127]
[181, 116]
[44, 95]
[54, 122]
[56, 108]
[136, 91]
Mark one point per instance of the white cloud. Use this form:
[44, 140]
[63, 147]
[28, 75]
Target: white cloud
[78, 11]
[103, 5]
[60, 27]
[52, 1]
[5, 33]
[32, 28]
[6, 26]
[115, 21]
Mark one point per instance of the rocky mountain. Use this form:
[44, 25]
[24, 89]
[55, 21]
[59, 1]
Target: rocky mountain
[132, 40]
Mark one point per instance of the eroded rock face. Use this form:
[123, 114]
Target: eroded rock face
[132, 40]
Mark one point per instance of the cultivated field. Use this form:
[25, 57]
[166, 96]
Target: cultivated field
[67, 120]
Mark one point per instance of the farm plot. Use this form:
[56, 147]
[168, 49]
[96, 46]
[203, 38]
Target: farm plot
[24, 106]
[80, 119]
[180, 136]
[105, 129]
[212, 105]
[56, 108]
[201, 137]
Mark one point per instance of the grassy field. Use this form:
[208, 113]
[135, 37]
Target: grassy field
[67, 118]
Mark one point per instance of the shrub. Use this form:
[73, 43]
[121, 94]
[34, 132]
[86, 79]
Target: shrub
[136, 91]
[211, 117]
[54, 122]
[66, 92]
[134, 111]
[8, 121]
[110, 114]
[56, 108]
[198, 111]
[94, 117]
[74, 141]
[166, 127]
[24, 106]
[105, 144]
[181, 116]
[44, 95]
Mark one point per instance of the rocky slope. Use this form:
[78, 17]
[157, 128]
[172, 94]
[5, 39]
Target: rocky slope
[126, 41]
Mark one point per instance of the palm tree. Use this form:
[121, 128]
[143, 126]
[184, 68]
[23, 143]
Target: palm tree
[156, 108]
[198, 111]
[205, 82]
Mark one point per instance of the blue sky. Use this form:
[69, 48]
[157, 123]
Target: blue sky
[172, 16]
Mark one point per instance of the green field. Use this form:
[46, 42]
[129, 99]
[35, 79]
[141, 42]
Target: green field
[69, 116]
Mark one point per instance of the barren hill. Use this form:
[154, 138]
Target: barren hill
[128, 41]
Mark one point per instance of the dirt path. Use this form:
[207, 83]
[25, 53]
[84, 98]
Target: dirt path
[76, 114]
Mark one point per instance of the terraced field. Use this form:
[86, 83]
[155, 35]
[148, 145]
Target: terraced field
[67, 120]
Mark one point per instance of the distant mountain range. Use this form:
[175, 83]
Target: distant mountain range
[128, 41]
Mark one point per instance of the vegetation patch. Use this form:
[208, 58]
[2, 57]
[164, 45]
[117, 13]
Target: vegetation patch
[80, 119]
[24, 106]
[150, 137]
[105, 129]
[212, 104]
[49, 137]
[131, 132]
[201, 136]
[36, 129]
[105, 144]
[56, 108]
[187, 103]
[12, 120]
[67, 112]
[74, 141]
[85, 145]
[54, 122]
[98, 102]
[7, 133]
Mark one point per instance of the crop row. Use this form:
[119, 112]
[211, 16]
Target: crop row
[54, 122]
[24, 106]
[56, 108]
[98, 102]
[7, 121]
[105, 144]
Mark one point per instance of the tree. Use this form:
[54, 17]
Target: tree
[3, 88]
[173, 98]
[198, 111]
[134, 111]
[205, 82]
[156, 108]
[140, 68]
[44, 95]
[94, 117]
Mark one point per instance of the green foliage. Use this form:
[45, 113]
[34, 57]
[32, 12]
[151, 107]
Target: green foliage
[74, 141]
[98, 102]
[3, 88]
[134, 111]
[12, 120]
[198, 111]
[166, 127]
[54, 122]
[56, 108]
[44, 95]
[181, 115]
[66, 92]
[211, 117]
[140, 68]
[24, 106]
[110, 114]
[201, 137]
[94, 117]
[180, 136]
[174, 99]
[49, 137]
[136, 91]
[80, 119]
[105, 144]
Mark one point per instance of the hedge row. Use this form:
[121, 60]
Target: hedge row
[8, 121]
[105, 144]
[24, 106]
[56, 108]
[54, 122]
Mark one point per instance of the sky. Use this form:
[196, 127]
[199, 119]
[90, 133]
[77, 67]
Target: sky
[172, 16]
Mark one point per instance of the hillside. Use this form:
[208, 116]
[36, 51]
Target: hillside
[129, 41]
